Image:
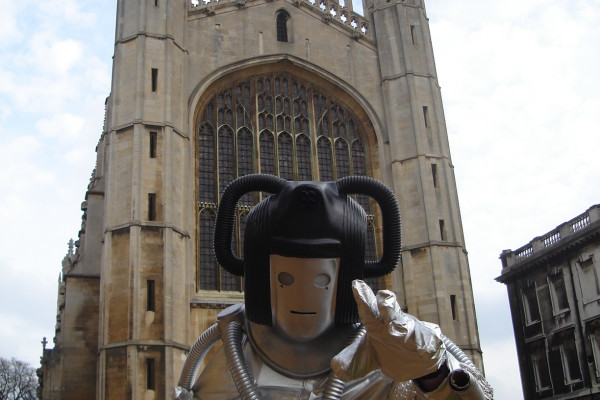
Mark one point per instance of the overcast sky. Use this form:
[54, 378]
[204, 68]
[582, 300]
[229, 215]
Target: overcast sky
[521, 89]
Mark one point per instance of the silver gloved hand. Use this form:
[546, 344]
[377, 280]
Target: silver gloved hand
[398, 344]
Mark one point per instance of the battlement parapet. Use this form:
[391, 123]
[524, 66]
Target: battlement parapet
[564, 232]
[331, 11]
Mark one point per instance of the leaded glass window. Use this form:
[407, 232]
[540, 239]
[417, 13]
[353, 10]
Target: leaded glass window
[275, 124]
[207, 264]
[206, 178]
[226, 158]
[282, 33]
[286, 169]
[325, 159]
[342, 158]
[303, 156]
[267, 149]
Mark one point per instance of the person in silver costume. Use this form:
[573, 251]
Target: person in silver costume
[304, 345]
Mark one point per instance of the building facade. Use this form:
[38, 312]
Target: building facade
[553, 285]
[206, 91]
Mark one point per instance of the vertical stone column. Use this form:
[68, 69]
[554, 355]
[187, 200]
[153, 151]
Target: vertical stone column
[146, 264]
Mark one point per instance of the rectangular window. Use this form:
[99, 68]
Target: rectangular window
[413, 34]
[155, 3]
[594, 338]
[589, 279]
[426, 116]
[434, 174]
[282, 19]
[153, 142]
[151, 206]
[541, 371]
[150, 384]
[558, 293]
[154, 79]
[453, 306]
[530, 305]
[570, 360]
[442, 230]
[150, 293]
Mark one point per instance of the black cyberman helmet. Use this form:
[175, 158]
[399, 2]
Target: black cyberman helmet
[311, 232]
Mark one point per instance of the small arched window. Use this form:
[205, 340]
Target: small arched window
[282, 21]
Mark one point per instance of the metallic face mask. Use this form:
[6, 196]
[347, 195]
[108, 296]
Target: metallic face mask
[303, 292]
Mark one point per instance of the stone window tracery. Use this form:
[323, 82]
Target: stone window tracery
[275, 124]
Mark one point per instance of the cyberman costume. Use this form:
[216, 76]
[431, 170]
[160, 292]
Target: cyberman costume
[310, 327]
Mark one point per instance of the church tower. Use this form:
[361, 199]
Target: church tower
[204, 91]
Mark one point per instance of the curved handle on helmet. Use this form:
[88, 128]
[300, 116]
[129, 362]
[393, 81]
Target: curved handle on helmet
[226, 215]
[390, 217]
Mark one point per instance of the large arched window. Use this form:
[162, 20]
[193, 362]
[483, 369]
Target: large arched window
[276, 124]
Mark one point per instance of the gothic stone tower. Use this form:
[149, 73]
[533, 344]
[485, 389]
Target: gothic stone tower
[205, 91]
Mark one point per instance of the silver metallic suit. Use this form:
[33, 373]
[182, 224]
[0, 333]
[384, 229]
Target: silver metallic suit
[297, 336]
[382, 361]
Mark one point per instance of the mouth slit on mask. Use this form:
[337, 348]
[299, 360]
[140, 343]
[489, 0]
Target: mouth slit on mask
[303, 312]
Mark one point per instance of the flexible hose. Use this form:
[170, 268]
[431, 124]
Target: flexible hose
[334, 388]
[197, 353]
[457, 352]
[226, 215]
[390, 217]
[244, 382]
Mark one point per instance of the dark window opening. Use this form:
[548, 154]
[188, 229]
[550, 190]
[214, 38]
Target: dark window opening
[558, 294]
[442, 232]
[150, 376]
[541, 372]
[282, 32]
[150, 304]
[151, 206]
[155, 3]
[412, 34]
[154, 79]
[426, 116]
[453, 306]
[153, 141]
[206, 165]
[434, 174]
[208, 264]
[530, 305]
[570, 361]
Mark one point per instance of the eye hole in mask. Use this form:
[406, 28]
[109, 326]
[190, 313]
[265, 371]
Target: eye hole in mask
[285, 278]
[321, 280]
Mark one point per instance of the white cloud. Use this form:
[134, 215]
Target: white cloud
[61, 126]
[64, 54]
[76, 156]
[68, 11]
[8, 22]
